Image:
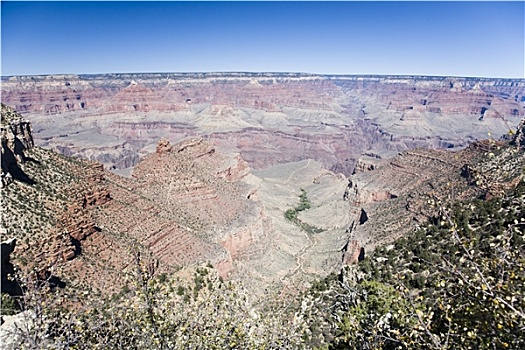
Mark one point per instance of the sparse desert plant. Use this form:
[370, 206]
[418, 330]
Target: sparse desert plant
[7, 305]
[156, 313]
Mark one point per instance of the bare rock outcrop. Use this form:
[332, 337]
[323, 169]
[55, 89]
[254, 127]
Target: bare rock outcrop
[15, 137]
[519, 137]
[163, 146]
[236, 170]
[48, 206]
[10, 335]
[173, 203]
[366, 163]
[353, 252]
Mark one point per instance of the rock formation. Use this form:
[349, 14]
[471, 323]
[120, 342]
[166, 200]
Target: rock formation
[185, 204]
[519, 137]
[353, 252]
[47, 205]
[233, 157]
[15, 137]
[404, 192]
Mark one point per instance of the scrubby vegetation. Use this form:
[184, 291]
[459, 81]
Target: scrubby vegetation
[292, 213]
[304, 203]
[457, 284]
[202, 312]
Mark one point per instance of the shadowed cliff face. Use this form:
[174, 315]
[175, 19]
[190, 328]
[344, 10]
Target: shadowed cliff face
[268, 118]
[16, 137]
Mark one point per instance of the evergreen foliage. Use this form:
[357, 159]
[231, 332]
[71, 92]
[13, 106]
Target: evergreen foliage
[457, 284]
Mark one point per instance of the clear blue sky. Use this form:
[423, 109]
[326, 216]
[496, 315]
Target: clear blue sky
[416, 38]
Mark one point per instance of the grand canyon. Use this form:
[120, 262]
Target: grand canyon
[276, 180]
[269, 119]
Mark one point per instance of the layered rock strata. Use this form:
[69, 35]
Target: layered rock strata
[189, 203]
[268, 118]
[403, 193]
[185, 204]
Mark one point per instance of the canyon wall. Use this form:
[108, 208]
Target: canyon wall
[269, 118]
[220, 195]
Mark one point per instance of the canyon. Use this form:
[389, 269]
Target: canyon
[268, 118]
[188, 169]
[184, 205]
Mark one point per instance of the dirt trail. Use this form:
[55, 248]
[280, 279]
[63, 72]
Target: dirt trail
[299, 257]
[296, 170]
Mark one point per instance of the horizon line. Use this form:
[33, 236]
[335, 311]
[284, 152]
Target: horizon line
[260, 73]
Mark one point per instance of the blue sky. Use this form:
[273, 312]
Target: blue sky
[415, 38]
